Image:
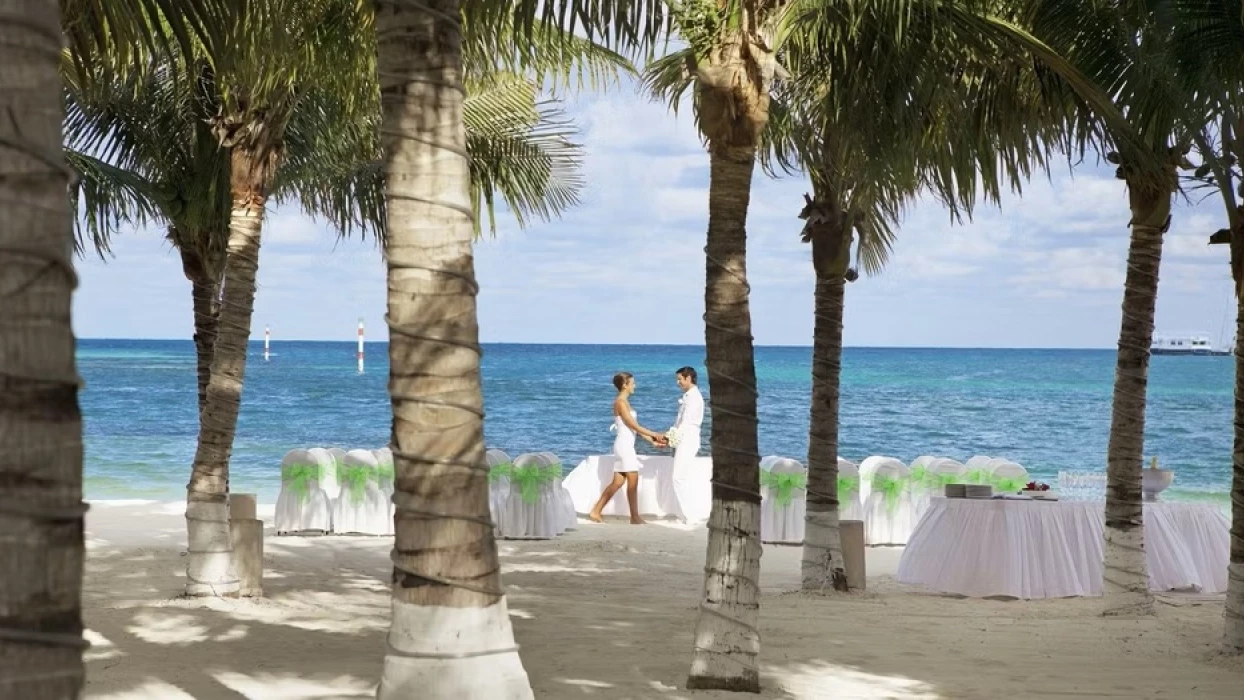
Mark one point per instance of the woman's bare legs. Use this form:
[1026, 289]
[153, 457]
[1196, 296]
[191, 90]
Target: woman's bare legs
[632, 496]
[612, 488]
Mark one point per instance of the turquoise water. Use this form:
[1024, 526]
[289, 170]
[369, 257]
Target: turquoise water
[1047, 409]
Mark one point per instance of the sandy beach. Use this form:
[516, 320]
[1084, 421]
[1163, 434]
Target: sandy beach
[607, 611]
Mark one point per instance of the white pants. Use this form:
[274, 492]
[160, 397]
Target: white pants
[684, 453]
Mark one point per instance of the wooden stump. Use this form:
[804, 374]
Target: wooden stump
[852, 533]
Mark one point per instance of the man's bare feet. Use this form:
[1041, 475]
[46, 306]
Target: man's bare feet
[638, 521]
[595, 517]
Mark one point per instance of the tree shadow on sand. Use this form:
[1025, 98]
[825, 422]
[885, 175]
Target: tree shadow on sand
[603, 619]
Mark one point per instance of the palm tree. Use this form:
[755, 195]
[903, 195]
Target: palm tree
[1124, 52]
[265, 69]
[41, 509]
[951, 116]
[1209, 46]
[1220, 171]
[451, 635]
[731, 61]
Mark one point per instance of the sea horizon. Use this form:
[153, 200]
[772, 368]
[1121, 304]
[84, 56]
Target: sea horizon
[354, 342]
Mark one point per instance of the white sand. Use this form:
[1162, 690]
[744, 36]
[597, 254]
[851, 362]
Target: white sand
[607, 612]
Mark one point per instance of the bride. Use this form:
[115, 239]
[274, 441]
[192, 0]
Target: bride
[626, 466]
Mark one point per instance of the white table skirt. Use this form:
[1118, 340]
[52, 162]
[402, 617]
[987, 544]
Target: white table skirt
[1026, 549]
[657, 496]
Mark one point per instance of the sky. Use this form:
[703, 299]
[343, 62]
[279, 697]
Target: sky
[627, 265]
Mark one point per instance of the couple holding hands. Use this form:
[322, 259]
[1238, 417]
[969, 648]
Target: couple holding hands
[684, 436]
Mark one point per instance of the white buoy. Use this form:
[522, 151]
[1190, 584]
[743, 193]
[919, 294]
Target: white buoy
[267, 339]
[360, 346]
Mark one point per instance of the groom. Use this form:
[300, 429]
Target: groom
[687, 426]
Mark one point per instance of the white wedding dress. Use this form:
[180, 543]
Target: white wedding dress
[624, 446]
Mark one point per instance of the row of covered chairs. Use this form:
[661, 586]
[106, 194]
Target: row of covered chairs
[883, 492]
[330, 490]
[526, 498]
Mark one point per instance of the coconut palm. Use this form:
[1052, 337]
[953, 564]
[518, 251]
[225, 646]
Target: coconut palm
[1209, 45]
[450, 635]
[1126, 53]
[41, 509]
[951, 116]
[731, 62]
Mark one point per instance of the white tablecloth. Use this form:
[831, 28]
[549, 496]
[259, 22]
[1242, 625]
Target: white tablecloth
[1026, 549]
[657, 497]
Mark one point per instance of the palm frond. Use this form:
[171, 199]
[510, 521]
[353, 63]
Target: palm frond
[520, 148]
[106, 198]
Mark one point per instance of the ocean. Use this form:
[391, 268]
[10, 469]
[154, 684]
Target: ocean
[1046, 409]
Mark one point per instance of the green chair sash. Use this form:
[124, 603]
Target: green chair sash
[354, 478]
[504, 470]
[386, 471]
[976, 476]
[848, 487]
[1011, 485]
[891, 488]
[784, 484]
[529, 479]
[299, 476]
[918, 476]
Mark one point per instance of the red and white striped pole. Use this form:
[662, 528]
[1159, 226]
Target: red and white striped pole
[360, 346]
[267, 339]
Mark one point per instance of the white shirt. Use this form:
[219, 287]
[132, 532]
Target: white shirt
[690, 410]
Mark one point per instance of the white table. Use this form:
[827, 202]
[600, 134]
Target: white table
[1030, 549]
[657, 496]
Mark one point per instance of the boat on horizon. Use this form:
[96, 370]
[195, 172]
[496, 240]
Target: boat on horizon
[1194, 344]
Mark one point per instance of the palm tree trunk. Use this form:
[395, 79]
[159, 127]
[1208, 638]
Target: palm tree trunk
[823, 566]
[1233, 635]
[205, 298]
[727, 641]
[209, 570]
[1126, 576]
[450, 636]
[41, 546]
[1233, 629]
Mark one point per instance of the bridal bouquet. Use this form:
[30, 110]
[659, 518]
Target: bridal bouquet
[671, 437]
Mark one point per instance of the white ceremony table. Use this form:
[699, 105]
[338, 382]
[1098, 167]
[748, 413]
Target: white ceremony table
[1032, 549]
[657, 498]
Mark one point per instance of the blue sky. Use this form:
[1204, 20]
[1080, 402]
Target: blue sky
[626, 266]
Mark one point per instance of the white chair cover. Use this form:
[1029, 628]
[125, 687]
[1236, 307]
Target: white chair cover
[867, 467]
[302, 505]
[339, 458]
[565, 503]
[850, 507]
[362, 507]
[498, 484]
[1007, 476]
[888, 513]
[328, 480]
[385, 476]
[940, 472]
[921, 483]
[977, 469]
[535, 514]
[766, 463]
[782, 506]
